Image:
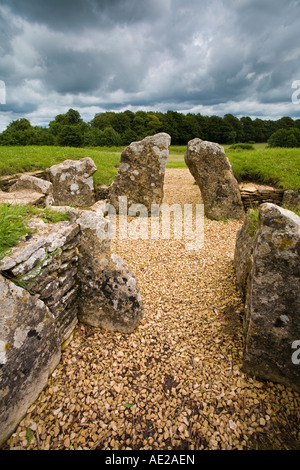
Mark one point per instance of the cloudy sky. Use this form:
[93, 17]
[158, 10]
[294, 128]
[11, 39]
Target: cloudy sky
[200, 56]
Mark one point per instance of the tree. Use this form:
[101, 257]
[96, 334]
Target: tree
[73, 117]
[285, 138]
[153, 124]
[70, 136]
[19, 132]
[121, 122]
[103, 120]
[109, 138]
[236, 133]
[248, 130]
[92, 137]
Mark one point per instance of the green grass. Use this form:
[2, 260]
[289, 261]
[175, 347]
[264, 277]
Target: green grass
[14, 219]
[30, 158]
[277, 166]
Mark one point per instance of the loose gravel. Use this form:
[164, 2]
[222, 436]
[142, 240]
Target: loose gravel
[177, 381]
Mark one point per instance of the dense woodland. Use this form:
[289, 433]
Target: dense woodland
[120, 129]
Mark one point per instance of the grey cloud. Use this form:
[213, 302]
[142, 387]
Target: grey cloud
[191, 54]
[70, 14]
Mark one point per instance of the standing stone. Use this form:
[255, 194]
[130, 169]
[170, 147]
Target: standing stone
[141, 173]
[30, 349]
[109, 296]
[243, 256]
[73, 182]
[273, 299]
[213, 174]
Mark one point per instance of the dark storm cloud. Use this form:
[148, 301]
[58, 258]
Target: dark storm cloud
[216, 56]
[69, 14]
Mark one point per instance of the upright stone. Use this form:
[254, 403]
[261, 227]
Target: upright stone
[141, 173]
[213, 174]
[30, 349]
[109, 296]
[273, 299]
[73, 182]
[243, 256]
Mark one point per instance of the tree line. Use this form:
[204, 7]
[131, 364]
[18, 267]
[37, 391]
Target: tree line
[121, 128]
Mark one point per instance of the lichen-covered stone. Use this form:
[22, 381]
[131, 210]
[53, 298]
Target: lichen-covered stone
[273, 298]
[29, 352]
[60, 274]
[73, 182]
[46, 265]
[29, 184]
[32, 182]
[109, 296]
[243, 256]
[213, 174]
[23, 197]
[141, 173]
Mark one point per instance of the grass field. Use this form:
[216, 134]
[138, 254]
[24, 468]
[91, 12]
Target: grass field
[277, 166]
[13, 222]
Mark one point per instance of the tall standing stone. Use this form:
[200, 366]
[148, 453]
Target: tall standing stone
[141, 173]
[109, 295]
[213, 174]
[73, 183]
[273, 298]
[30, 349]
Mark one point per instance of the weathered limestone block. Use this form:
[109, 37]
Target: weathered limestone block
[291, 199]
[141, 173]
[273, 299]
[7, 181]
[22, 197]
[28, 185]
[32, 182]
[109, 296]
[213, 174]
[73, 182]
[243, 256]
[30, 349]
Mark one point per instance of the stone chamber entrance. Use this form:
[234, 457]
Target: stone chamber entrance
[176, 382]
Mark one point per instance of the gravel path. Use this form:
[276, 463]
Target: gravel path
[176, 382]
